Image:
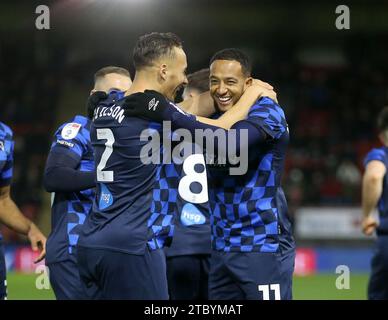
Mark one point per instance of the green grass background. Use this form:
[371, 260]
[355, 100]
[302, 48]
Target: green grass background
[316, 287]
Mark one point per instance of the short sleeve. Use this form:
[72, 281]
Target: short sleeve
[268, 116]
[70, 139]
[376, 154]
[6, 155]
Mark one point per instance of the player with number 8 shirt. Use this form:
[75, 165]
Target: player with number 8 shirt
[253, 247]
[119, 249]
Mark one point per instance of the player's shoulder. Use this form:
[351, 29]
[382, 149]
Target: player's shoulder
[76, 126]
[5, 131]
[266, 108]
[153, 98]
[269, 116]
[379, 154]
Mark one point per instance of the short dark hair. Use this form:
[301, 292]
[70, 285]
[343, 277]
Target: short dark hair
[152, 46]
[234, 54]
[108, 70]
[199, 80]
[382, 120]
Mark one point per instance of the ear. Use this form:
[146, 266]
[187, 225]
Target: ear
[248, 82]
[92, 91]
[163, 71]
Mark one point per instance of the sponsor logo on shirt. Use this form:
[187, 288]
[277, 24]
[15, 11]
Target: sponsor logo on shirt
[152, 105]
[65, 143]
[190, 215]
[70, 130]
[106, 198]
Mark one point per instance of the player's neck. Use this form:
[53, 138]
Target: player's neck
[143, 81]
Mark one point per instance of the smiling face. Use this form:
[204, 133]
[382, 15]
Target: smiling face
[227, 83]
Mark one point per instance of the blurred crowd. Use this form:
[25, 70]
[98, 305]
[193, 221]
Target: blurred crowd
[332, 119]
[29, 95]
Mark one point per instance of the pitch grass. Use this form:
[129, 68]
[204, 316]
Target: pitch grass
[323, 287]
[316, 287]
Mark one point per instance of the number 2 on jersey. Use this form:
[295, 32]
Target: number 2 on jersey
[105, 134]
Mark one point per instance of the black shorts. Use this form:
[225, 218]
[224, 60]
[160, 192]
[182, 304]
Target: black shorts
[115, 275]
[188, 277]
[251, 276]
[378, 282]
[65, 280]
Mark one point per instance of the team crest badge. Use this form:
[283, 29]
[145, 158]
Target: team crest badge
[70, 131]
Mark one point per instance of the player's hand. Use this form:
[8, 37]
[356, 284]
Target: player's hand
[93, 101]
[263, 89]
[257, 82]
[38, 241]
[270, 94]
[149, 104]
[369, 225]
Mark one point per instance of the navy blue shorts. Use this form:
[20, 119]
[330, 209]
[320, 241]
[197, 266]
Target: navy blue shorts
[115, 275]
[378, 282]
[3, 279]
[251, 276]
[188, 277]
[65, 280]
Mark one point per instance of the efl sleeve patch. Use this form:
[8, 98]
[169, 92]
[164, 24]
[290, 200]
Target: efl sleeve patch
[70, 130]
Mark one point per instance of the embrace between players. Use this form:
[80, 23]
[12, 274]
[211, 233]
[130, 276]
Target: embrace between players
[125, 227]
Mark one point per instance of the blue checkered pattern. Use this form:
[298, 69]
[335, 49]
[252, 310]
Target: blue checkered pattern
[6, 156]
[244, 209]
[79, 203]
[163, 206]
[270, 116]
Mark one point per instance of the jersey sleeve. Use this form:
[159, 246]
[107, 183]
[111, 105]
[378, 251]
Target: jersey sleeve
[70, 139]
[6, 157]
[375, 154]
[269, 117]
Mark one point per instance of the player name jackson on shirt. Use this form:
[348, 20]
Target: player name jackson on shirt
[114, 111]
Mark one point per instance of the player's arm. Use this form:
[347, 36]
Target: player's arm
[62, 172]
[61, 175]
[240, 110]
[244, 133]
[136, 105]
[372, 188]
[203, 105]
[11, 216]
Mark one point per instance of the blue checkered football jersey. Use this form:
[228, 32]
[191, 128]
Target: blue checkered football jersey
[6, 156]
[69, 209]
[192, 223]
[381, 154]
[249, 212]
[135, 197]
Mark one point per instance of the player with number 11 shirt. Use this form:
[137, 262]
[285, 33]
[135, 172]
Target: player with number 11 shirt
[120, 245]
